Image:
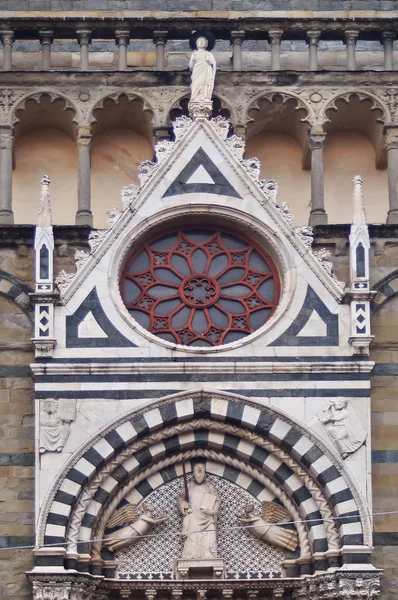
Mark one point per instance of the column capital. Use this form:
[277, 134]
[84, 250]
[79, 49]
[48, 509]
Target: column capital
[122, 36]
[84, 134]
[237, 36]
[160, 37]
[391, 138]
[46, 36]
[7, 36]
[313, 36]
[388, 35]
[351, 36]
[316, 140]
[84, 36]
[275, 35]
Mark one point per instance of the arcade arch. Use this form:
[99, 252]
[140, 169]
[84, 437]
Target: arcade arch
[277, 136]
[355, 146]
[45, 134]
[122, 140]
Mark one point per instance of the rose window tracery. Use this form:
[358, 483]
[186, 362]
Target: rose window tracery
[200, 287]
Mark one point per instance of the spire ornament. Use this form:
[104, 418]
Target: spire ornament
[44, 297]
[360, 295]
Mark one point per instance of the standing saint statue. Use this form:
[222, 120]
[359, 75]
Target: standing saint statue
[203, 67]
[200, 514]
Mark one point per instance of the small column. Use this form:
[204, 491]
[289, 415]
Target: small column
[275, 36]
[388, 43]
[313, 41]
[84, 216]
[351, 37]
[7, 39]
[318, 214]
[391, 145]
[46, 39]
[122, 41]
[160, 39]
[236, 41]
[84, 39]
[6, 148]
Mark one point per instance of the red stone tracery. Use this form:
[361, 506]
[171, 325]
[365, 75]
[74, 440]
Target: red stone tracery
[200, 287]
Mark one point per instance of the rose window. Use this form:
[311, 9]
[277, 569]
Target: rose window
[200, 287]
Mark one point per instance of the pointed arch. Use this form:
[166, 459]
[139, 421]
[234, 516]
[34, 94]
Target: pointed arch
[284, 457]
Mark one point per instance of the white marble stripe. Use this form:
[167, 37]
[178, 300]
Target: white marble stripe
[131, 464]
[70, 487]
[350, 528]
[320, 465]
[152, 417]
[94, 508]
[301, 447]
[237, 385]
[85, 467]
[126, 431]
[184, 408]
[85, 534]
[337, 485]
[250, 415]
[279, 429]
[55, 530]
[109, 484]
[59, 508]
[104, 448]
[344, 507]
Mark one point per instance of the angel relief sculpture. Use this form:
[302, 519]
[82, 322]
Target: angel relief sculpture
[133, 526]
[263, 526]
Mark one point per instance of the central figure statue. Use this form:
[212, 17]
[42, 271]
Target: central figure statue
[200, 513]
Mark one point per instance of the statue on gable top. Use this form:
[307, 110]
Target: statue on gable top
[203, 68]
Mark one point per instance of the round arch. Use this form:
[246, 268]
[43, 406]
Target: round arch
[284, 457]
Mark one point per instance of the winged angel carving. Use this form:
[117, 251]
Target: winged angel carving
[263, 526]
[133, 526]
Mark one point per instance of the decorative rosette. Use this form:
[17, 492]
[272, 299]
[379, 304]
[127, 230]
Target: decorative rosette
[200, 287]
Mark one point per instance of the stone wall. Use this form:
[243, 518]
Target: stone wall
[16, 407]
[200, 5]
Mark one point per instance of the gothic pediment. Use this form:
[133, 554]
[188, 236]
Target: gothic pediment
[202, 180]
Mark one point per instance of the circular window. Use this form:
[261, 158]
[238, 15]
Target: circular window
[200, 287]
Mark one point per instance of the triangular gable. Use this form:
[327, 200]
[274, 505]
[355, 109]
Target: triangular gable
[185, 183]
[202, 152]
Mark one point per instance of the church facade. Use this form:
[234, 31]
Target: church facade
[189, 388]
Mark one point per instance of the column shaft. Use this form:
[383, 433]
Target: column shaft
[46, 39]
[351, 39]
[84, 39]
[236, 41]
[6, 149]
[318, 214]
[122, 40]
[388, 42]
[313, 40]
[7, 38]
[275, 38]
[160, 39]
[84, 215]
[391, 145]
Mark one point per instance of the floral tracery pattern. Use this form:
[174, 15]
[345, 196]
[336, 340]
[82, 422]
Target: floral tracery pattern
[200, 287]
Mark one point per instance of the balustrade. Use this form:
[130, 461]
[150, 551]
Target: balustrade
[277, 31]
